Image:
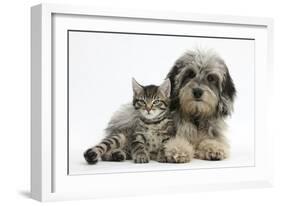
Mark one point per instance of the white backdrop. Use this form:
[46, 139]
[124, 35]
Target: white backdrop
[15, 101]
[101, 66]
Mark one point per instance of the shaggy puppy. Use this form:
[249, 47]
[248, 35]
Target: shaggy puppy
[202, 97]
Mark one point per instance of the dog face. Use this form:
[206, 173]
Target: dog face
[201, 85]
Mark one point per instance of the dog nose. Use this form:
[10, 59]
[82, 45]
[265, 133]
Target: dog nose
[197, 92]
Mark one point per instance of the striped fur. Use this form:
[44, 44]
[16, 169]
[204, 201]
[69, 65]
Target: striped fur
[139, 130]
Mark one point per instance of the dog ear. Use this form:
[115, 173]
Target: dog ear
[174, 105]
[228, 93]
[172, 76]
[228, 87]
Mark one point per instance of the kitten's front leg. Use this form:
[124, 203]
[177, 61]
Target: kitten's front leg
[138, 149]
[161, 156]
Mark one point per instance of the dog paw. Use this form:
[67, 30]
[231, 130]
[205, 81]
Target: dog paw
[212, 150]
[91, 156]
[175, 156]
[178, 151]
[141, 157]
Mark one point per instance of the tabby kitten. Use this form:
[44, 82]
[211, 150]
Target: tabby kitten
[140, 133]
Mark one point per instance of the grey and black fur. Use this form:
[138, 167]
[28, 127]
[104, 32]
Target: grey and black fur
[202, 96]
[138, 131]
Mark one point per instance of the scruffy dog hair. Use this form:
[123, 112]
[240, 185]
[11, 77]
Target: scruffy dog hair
[202, 97]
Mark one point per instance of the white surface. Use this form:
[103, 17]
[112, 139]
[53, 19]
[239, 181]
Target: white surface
[15, 177]
[80, 167]
[100, 70]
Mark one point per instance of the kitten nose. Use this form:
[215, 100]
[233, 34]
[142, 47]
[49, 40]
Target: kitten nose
[148, 109]
[197, 92]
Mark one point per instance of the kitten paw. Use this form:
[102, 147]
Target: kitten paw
[141, 157]
[118, 156]
[161, 157]
[91, 156]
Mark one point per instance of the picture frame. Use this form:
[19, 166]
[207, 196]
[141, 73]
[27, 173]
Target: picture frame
[51, 178]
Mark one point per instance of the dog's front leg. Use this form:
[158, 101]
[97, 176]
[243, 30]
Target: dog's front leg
[178, 150]
[212, 149]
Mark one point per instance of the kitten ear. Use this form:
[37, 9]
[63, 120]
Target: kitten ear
[137, 88]
[165, 88]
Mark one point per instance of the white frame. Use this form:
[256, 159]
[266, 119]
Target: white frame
[42, 100]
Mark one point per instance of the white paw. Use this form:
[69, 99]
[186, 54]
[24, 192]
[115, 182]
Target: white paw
[212, 150]
[178, 150]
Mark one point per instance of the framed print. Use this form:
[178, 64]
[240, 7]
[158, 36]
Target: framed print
[135, 102]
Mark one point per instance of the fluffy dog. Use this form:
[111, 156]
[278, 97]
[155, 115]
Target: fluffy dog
[202, 97]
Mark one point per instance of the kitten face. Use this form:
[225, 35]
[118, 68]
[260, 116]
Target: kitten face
[150, 107]
[151, 101]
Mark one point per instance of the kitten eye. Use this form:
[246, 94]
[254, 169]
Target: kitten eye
[141, 102]
[156, 102]
[212, 78]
